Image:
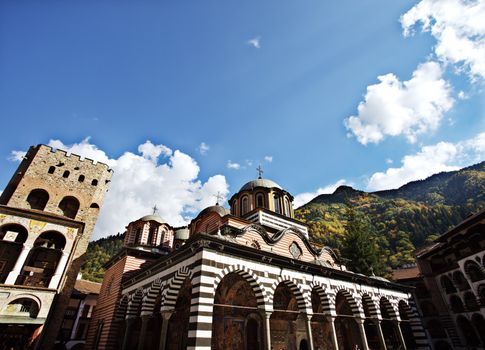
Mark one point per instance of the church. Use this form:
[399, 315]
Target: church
[244, 278]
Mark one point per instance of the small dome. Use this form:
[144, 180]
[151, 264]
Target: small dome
[182, 234]
[153, 218]
[214, 209]
[260, 183]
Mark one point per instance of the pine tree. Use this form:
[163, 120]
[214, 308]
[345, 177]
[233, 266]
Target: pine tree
[359, 245]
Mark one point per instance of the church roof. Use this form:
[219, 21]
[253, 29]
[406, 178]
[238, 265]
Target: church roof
[260, 183]
[153, 218]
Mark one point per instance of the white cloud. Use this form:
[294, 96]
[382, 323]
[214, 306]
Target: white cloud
[203, 148]
[458, 27]
[389, 161]
[443, 156]
[269, 159]
[17, 156]
[303, 198]
[142, 180]
[233, 165]
[255, 42]
[409, 108]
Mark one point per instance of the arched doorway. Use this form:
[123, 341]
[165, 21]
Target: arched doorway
[152, 341]
[405, 314]
[38, 199]
[12, 239]
[346, 327]
[286, 324]
[178, 325]
[303, 345]
[321, 327]
[43, 259]
[236, 323]
[389, 324]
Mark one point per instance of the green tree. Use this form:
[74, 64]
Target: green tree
[359, 245]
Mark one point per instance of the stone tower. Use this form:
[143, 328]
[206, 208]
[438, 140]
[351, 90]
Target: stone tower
[47, 215]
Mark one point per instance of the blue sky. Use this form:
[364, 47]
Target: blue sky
[253, 79]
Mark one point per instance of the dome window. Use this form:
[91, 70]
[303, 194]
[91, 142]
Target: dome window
[244, 206]
[276, 202]
[260, 200]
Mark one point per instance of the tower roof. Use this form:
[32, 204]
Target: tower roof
[260, 183]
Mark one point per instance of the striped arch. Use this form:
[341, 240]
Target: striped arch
[371, 306]
[354, 305]
[120, 312]
[253, 280]
[327, 305]
[292, 284]
[135, 304]
[385, 304]
[169, 298]
[417, 328]
[150, 297]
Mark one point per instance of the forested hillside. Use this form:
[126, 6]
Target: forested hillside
[402, 219]
[98, 253]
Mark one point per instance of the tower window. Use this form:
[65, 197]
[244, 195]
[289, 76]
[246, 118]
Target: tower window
[81, 178]
[69, 206]
[51, 169]
[94, 182]
[66, 174]
[287, 207]
[38, 199]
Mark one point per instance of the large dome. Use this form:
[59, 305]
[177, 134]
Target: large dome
[260, 183]
[153, 218]
[214, 209]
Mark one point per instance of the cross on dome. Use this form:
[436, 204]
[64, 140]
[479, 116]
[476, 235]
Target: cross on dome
[219, 197]
[155, 209]
[260, 172]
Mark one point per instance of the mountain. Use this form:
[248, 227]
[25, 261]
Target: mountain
[403, 219]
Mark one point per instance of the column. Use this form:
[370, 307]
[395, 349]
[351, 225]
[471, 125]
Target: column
[333, 333]
[128, 324]
[56, 278]
[163, 335]
[399, 333]
[12, 276]
[309, 331]
[360, 322]
[143, 330]
[382, 341]
[267, 329]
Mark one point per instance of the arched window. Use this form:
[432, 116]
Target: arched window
[94, 182]
[287, 207]
[259, 200]
[456, 304]
[21, 307]
[51, 169]
[43, 259]
[460, 281]
[474, 271]
[38, 199]
[447, 285]
[471, 302]
[81, 178]
[69, 206]
[66, 174]
[94, 205]
[276, 203]
[244, 205]
[12, 237]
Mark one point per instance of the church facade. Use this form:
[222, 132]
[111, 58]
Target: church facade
[245, 278]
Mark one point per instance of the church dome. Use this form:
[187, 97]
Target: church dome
[153, 218]
[182, 234]
[214, 209]
[266, 183]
